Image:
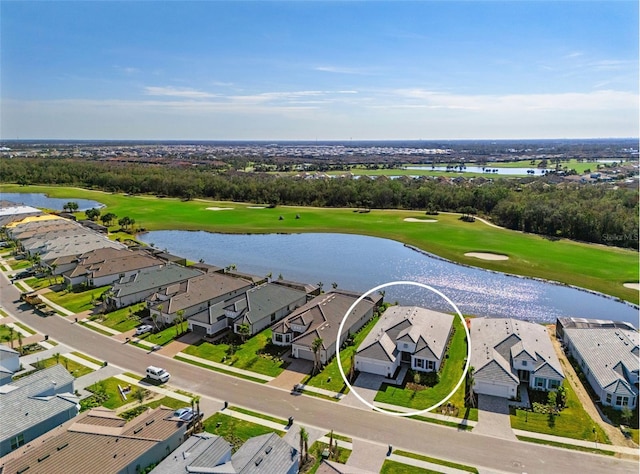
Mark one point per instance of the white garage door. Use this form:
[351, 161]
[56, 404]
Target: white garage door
[304, 353]
[364, 365]
[497, 390]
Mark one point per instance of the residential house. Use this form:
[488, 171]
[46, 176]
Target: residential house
[35, 404]
[196, 295]
[583, 323]
[202, 452]
[108, 267]
[609, 359]
[267, 454]
[508, 352]
[264, 305]
[11, 212]
[208, 454]
[321, 318]
[145, 282]
[100, 441]
[405, 334]
[9, 363]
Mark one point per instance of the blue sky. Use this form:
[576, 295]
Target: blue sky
[301, 70]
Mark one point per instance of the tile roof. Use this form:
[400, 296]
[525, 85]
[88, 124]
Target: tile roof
[499, 340]
[95, 447]
[150, 278]
[204, 288]
[267, 453]
[606, 351]
[35, 398]
[324, 313]
[428, 329]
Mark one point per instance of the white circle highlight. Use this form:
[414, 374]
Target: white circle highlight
[464, 371]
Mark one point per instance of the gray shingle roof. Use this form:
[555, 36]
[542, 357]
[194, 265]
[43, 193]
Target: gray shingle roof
[498, 340]
[34, 399]
[428, 329]
[150, 278]
[268, 298]
[265, 454]
[603, 350]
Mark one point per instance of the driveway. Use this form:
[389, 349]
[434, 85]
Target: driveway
[295, 372]
[493, 417]
[367, 386]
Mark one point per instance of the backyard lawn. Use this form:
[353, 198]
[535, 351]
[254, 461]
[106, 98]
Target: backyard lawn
[449, 376]
[572, 422]
[329, 378]
[76, 300]
[248, 356]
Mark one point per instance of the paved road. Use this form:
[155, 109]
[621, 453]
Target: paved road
[445, 443]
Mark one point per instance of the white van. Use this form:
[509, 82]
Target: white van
[157, 373]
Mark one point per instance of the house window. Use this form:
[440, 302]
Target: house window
[273, 317]
[405, 345]
[553, 384]
[17, 441]
[608, 399]
[418, 363]
[278, 337]
[539, 382]
[524, 363]
[622, 401]
[431, 365]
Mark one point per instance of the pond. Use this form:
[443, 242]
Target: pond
[360, 263]
[42, 201]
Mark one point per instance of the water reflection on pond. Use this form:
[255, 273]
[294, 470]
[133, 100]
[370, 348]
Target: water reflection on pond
[360, 263]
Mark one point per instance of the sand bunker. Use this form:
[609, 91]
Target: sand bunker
[219, 208]
[486, 256]
[256, 207]
[413, 219]
[633, 286]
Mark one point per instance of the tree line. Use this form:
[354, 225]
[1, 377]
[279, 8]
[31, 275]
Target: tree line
[600, 214]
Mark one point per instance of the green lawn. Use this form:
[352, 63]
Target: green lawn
[25, 328]
[595, 267]
[123, 319]
[74, 368]
[162, 337]
[234, 430]
[7, 334]
[316, 449]
[168, 402]
[441, 462]
[44, 282]
[247, 356]
[18, 264]
[572, 422]
[78, 300]
[449, 376]
[114, 399]
[393, 467]
[329, 378]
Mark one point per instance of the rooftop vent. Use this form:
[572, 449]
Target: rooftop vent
[268, 450]
[258, 461]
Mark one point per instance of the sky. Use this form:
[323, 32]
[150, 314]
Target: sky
[303, 70]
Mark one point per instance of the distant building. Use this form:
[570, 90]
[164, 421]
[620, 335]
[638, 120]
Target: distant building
[34, 405]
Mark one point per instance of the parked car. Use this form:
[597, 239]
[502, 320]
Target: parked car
[145, 328]
[185, 414]
[158, 373]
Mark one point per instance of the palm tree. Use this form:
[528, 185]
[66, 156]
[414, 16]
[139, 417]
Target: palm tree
[154, 317]
[11, 334]
[334, 285]
[244, 330]
[315, 347]
[471, 399]
[304, 440]
[179, 321]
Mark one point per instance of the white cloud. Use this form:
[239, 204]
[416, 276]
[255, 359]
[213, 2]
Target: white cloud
[184, 92]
